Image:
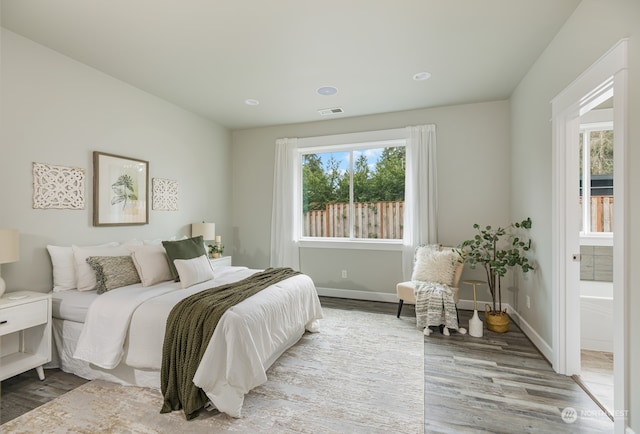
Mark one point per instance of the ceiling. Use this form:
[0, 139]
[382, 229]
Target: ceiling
[209, 56]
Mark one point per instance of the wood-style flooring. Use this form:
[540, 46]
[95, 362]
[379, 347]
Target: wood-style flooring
[498, 383]
[597, 376]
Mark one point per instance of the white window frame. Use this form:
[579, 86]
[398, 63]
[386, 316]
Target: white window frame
[596, 122]
[341, 143]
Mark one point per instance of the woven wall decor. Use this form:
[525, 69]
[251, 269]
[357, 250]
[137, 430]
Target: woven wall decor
[58, 187]
[165, 194]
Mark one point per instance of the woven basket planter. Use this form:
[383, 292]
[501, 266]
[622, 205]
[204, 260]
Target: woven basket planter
[496, 321]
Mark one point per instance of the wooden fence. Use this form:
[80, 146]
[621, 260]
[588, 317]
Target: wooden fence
[372, 220]
[384, 219]
[601, 213]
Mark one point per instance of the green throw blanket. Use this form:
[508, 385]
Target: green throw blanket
[190, 326]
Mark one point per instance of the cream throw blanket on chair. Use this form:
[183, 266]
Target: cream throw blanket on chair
[435, 305]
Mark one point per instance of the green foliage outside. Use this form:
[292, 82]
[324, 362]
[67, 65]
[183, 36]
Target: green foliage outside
[324, 184]
[601, 155]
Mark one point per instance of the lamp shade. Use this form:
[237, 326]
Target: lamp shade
[207, 230]
[9, 245]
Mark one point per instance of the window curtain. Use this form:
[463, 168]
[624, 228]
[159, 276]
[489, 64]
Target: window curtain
[421, 193]
[284, 222]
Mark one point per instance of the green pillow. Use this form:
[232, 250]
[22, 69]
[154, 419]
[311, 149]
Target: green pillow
[183, 249]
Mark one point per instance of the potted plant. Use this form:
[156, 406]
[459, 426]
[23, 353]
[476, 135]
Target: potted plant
[216, 250]
[497, 250]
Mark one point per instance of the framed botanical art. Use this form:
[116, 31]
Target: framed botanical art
[120, 190]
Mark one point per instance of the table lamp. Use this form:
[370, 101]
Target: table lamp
[9, 250]
[207, 230]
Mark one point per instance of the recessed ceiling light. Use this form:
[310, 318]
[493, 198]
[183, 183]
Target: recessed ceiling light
[251, 101]
[327, 90]
[421, 76]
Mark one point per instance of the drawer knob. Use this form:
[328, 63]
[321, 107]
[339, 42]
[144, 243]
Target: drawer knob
[4, 321]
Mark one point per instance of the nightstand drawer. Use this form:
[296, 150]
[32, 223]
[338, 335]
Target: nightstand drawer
[23, 316]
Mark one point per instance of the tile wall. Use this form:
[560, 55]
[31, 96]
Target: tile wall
[596, 263]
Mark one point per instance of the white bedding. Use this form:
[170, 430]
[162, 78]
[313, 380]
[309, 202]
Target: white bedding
[72, 305]
[248, 339]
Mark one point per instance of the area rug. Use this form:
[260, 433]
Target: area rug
[362, 373]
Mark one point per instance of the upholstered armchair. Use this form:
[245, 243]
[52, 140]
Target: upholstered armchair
[425, 270]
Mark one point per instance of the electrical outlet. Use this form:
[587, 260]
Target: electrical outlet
[344, 274]
[528, 302]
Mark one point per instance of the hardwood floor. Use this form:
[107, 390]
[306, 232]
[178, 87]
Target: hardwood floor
[597, 376]
[498, 383]
[25, 392]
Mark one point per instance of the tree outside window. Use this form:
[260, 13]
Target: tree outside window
[596, 169]
[354, 192]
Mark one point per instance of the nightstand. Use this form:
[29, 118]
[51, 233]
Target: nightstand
[25, 332]
[222, 261]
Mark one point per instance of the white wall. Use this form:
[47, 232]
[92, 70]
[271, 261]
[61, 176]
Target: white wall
[591, 31]
[473, 186]
[58, 111]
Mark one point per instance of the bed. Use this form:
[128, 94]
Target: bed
[118, 335]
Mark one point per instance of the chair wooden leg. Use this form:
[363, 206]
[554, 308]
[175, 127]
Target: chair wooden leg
[400, 307]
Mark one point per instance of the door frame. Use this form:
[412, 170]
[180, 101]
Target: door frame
[610, 69]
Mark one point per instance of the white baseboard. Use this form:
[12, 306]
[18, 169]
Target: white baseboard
[358, 295]
[537, 340]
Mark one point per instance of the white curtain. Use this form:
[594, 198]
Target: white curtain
[284, 222]
[421, 193]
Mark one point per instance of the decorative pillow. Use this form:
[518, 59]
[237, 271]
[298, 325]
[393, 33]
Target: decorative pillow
[86, 277]
[433, 265]
[151, 263]
[194, 270]
[183, 249]
[64, 266]
[113, 272]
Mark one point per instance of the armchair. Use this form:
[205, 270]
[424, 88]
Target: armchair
[424, 270]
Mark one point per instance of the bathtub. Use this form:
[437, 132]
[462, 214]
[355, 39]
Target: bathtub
[596, 315]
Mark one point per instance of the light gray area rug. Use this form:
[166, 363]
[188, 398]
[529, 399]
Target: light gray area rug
[362, 373]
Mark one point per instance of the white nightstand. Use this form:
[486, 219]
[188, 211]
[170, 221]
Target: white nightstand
[25, 332]
[222, 261]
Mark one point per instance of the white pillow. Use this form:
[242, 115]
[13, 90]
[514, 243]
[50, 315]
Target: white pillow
[151, 263]
[435, 266]
[64, 266]
[86, 277]
[192, 271]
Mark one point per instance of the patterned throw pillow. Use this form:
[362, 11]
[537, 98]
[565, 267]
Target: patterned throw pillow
[85, 276]
[113, 272]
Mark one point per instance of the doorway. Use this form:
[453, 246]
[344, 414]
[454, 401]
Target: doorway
[597, 197]
[604, 79]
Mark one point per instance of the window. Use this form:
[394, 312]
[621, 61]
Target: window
[353, 191]
[596, 169]
[418, 224]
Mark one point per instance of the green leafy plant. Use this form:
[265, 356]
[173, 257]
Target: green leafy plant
[216, 248]
[497, 250]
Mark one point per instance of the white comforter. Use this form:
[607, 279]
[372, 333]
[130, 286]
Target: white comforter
[127, 325]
